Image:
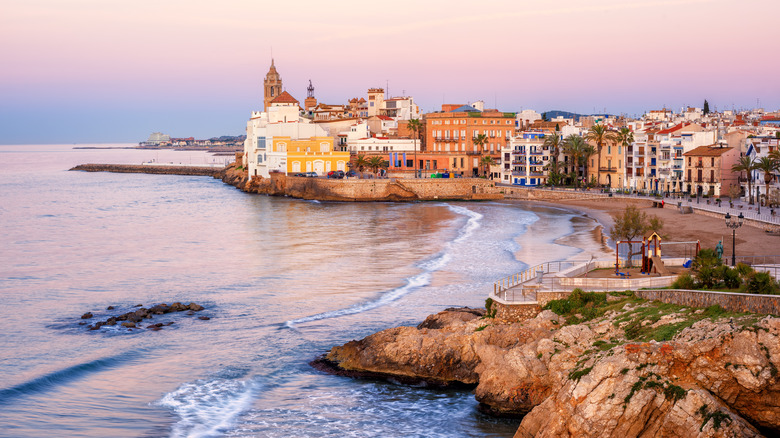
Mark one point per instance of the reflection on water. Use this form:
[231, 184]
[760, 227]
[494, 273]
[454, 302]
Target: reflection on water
[78, 242]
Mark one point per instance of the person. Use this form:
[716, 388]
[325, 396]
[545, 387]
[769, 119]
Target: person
[719, 249]
[662, 203]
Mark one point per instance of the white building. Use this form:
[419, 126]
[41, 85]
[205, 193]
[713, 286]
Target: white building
[282, 119]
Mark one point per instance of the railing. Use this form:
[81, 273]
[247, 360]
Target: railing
[503, 285]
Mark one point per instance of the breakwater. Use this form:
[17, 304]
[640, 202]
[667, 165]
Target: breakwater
[215, 172]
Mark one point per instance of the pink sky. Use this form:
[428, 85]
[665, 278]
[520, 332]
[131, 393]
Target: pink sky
[196, 67]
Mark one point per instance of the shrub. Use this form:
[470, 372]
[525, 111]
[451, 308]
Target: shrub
[730, 277]
[706, 258]
[491, 310]
[684, 281]
[760, 283]
[706, 276]
[744, 270]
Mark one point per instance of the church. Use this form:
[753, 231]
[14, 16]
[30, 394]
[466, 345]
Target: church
[280, 140]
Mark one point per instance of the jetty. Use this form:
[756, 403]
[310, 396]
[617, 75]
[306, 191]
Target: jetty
[153, 168]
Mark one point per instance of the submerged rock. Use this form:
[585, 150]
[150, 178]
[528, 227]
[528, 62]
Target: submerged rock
[131, 319]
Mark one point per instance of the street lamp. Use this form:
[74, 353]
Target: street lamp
[758, 198]
[734, 224]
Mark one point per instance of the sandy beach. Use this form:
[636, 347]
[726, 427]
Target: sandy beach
[750, 241]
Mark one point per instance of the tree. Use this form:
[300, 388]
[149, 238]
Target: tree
[480, 141]
[747, 165]
[486, 162]
[769, 167]
[553, 142]
[554, 175]
[587, 152]
[624, 137]
[415, 127]
[376, 162]
[632, 224]
[600, 135]
[706, 107]
[574, 146]
[361, 163]
[544, 117]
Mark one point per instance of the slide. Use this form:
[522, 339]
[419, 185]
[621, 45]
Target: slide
[659, 266]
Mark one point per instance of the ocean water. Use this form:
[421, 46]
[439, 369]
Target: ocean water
[282, 280]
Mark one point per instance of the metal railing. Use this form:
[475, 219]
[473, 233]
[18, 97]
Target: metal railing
[533, 276]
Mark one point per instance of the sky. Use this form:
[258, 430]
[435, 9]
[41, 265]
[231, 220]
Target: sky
[90, 71]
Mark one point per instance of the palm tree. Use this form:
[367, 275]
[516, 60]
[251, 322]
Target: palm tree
[600, 135]
[554, 142]
[486, 162]
[747, 165]
[768, 166]
[480, 141]
[415, 127]
[361, 163]
[574, 146]
[625, 136]
[555, 176]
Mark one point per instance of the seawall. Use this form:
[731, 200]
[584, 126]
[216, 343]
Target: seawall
[215, 172]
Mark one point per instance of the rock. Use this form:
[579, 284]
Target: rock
[169, 323]
[715, 378]
[110, 308]
[155, 329]
[190, 313]
[138, 305]
[128, 324]
[204, 318]
[82, 323]
[195, 307]
[87, 315]
[451, 316]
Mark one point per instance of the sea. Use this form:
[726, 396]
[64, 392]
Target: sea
[282, 281]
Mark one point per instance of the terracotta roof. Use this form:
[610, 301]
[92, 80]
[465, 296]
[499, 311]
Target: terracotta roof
[707, 151]
[284, 97]
[385, 118]
[673, 128]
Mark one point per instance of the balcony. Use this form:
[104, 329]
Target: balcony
[608, 169]
[531, 174]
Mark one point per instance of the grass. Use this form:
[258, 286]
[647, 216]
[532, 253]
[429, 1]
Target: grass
[717, 417]
[577, 375]
[480, 328]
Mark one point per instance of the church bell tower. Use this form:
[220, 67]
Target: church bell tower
[272, 86]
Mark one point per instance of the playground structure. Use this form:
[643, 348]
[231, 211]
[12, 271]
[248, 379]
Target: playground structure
[650, 250]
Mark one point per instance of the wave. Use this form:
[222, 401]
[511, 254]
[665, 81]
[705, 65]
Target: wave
[208, 408]
[59, 377]
[422, 279]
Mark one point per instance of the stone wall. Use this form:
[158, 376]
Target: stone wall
[509, 313]
[374, 189]
[545, 297]
[730, 301]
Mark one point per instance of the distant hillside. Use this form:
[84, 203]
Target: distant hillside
[569, 115]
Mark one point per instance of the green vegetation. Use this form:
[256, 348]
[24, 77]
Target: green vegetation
[672, 392]
[712, 274]
[491, 310]
[632, 224]
[718, 417]
[684, 281]
[577, 374]
[480, 328]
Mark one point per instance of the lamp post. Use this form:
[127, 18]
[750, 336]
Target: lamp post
[758, 198]
[734, 224]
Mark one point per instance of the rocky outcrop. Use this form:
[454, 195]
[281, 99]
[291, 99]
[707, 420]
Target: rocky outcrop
[131, 319]
[601, 377]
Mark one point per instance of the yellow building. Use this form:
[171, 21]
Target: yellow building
[313, 155]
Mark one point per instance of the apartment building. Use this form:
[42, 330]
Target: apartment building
[708, 170]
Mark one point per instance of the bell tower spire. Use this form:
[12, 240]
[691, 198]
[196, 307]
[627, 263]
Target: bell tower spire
[272, 86]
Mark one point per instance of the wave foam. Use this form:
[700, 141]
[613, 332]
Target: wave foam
[207, 407]
[422, 279]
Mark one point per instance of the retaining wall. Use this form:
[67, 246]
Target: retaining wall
[508, 313]
[734, 302]
[375, 189]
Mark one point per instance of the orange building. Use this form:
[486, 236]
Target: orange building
[448, 139]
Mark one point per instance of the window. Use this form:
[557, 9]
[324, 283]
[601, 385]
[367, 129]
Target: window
[454, 162]
[712, 162]
[261, 142]
[461, 162]
[259, 158]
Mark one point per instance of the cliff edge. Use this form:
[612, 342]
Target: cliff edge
[603, 365]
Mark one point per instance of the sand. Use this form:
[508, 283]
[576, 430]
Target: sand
[750, 241]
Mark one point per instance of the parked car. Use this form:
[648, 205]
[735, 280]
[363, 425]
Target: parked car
[351, 174]
[312, 174]
[300, 174]
[339, 174]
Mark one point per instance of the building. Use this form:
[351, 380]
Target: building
[279, 139]
[708, 170]
[272, 86]
[450, 133]
[528, 157]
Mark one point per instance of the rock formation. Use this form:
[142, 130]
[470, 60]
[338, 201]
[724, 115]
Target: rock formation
[632, 368]
[130, 320]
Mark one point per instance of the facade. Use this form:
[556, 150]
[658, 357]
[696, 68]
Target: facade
[528, 158]
[450, 133]
[314, 154]
[708, 170]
